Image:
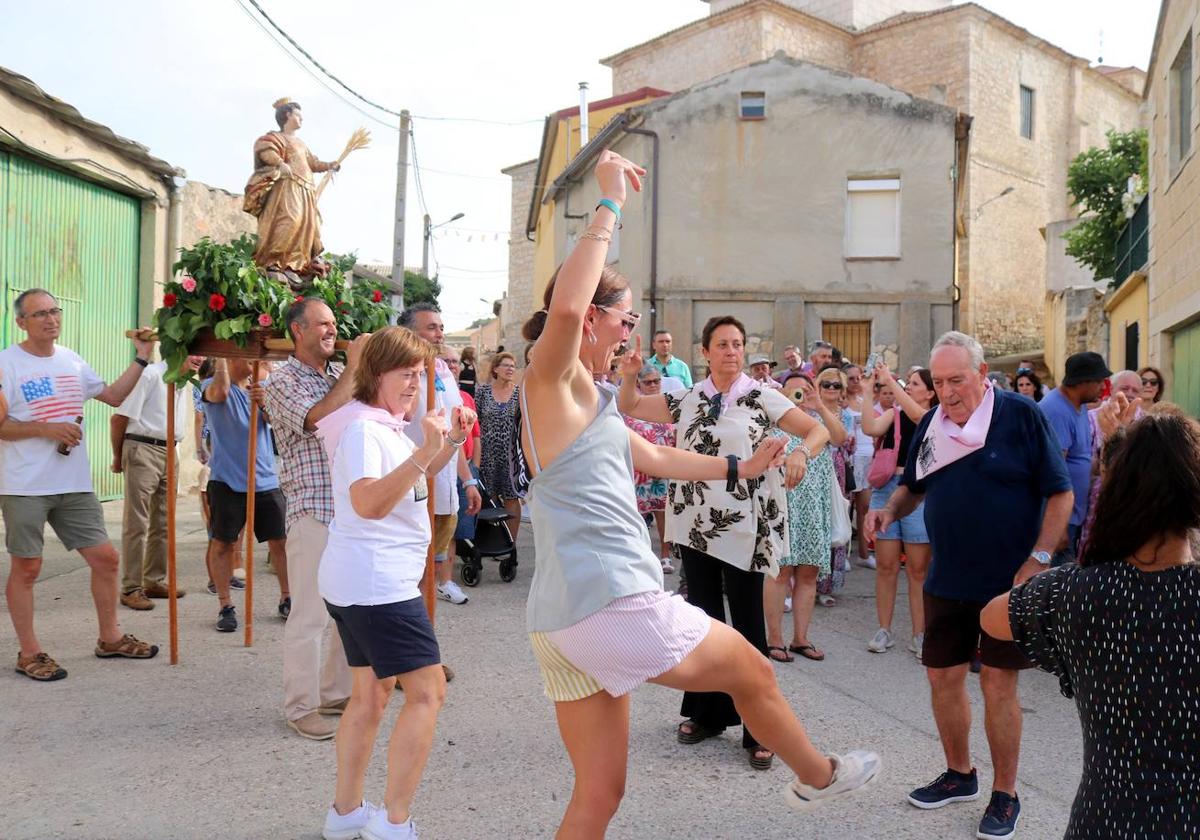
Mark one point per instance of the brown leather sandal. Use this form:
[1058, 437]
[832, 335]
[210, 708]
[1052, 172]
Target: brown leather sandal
[128, 647]
[40, 667]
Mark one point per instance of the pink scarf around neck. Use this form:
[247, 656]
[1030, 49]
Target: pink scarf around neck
[946, 442]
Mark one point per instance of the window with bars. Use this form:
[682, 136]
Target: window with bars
[1027, 112]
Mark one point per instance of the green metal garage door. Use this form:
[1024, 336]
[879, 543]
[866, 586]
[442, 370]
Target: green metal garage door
[1186, 366]
[80, 241]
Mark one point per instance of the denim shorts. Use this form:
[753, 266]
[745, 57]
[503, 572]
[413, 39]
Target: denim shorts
[910, 529]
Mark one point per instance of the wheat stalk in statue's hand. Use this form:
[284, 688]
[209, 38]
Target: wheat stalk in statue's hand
[360, 139]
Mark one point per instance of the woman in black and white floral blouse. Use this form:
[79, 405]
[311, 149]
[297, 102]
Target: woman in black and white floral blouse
[1121, 631]
[728, 534]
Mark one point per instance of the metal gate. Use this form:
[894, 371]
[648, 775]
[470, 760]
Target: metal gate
[853, 338]
[1186, 366]
[81, 242]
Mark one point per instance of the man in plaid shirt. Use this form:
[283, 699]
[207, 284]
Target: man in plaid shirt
[299, 393]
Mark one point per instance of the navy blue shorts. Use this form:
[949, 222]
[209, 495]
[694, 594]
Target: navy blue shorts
[391, 638]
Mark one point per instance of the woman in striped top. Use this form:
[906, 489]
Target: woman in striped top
[599, 621]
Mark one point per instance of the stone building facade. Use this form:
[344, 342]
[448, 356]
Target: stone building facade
[518, 300]
[1174, 267]
[854, 236]
[1011, 82]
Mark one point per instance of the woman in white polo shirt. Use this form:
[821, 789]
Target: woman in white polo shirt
[370, 573]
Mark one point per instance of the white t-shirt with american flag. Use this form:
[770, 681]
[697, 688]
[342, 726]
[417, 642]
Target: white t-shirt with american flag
[45, 389]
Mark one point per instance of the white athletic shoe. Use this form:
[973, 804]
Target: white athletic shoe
[449, 591]
[851, 772]
[347, 826]
[867, 562]
[667, 566]
[881, 641]
[787, 605]
[917, 645]
[380, 828]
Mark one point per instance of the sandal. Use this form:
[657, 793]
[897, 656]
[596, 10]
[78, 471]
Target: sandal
[808, 651]
[697, 733]
[783, 657]
[128, 647]
[40, 667]
[757, 759]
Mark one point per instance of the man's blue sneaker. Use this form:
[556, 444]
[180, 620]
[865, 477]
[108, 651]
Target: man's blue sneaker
[951, 786]
[1000, 819]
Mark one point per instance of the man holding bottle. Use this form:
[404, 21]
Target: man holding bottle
[46, 387]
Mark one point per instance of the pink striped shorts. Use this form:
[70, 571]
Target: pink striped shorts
[616, 649]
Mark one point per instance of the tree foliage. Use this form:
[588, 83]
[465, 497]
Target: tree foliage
[420, 289]
[1097, 181]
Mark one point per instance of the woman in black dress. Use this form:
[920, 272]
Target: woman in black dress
[1121, 631]
[466, 373]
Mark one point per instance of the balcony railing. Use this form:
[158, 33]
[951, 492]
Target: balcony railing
[1133, 244]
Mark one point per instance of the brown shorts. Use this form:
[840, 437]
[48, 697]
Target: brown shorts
[443, 535]
[953, 634]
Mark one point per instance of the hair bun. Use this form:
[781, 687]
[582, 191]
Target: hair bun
[279, 103]
[534, 326]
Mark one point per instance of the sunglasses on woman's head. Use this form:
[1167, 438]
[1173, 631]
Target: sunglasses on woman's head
[832, 386]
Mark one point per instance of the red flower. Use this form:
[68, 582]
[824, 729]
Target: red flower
[377, 296]
[298, 298]
[169, 299]
[216, 302]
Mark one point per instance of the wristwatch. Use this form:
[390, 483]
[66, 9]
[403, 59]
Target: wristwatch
[1043, 557]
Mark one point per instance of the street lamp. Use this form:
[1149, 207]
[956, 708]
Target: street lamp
[429, 229]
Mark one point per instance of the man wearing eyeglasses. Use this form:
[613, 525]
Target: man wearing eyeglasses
[45, 476]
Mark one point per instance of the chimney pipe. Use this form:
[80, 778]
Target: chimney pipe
[583, 114]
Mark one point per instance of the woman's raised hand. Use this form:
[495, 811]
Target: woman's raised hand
[464, 420]
[631, 360]
[612, 171]
[436, 428]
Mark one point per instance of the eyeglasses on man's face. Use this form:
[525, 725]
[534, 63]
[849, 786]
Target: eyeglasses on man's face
[54, 312]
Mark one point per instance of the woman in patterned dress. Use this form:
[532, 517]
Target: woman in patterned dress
[726, 535]
[809, 526]
[496, 401]
[831, 391]
[651, 491]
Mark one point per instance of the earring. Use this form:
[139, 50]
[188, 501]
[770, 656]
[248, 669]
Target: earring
[591, 338]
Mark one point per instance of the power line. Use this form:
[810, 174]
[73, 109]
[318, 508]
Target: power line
[318, 64]
[477, 120]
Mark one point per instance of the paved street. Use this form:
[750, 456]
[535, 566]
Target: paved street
[125, 749]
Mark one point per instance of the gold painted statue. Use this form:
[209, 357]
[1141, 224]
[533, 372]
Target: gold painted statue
[282, 195]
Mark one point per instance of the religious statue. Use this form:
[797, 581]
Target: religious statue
[282, 195]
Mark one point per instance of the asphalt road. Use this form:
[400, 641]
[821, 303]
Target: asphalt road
[124, 749]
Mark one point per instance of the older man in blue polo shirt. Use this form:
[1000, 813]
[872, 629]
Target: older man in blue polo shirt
[984, 455]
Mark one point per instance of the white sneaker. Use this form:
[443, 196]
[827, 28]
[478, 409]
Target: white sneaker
[881, 641]
[667, 567]
[787, 605]
[827, 600]
[240, 574]
[347, 826]
[867, 562]
[851, 772]
[917, 645]
[380, 828]
[449, 591]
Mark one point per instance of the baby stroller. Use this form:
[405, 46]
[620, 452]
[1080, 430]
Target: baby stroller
[486, 536]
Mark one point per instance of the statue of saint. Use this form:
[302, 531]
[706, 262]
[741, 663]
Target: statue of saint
[282, 195]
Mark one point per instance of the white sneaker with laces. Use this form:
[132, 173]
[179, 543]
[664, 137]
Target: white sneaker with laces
[347, 826]
[881, 641]
[867, 562]
[787, 605]
[449, 591]
[380, 828]
[852, 771]
[917, 645]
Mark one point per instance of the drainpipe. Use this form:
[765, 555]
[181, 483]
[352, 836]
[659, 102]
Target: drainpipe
[962, 143]
[583, 115]
[653, 135]
[174, 224]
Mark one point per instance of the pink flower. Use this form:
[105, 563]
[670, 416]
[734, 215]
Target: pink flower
[264, 320]
[188, 283]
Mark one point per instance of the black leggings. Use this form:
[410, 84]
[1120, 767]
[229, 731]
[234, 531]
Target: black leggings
[709, 581]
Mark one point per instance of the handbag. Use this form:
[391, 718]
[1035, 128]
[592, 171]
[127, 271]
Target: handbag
[883, 465]
[840, 516]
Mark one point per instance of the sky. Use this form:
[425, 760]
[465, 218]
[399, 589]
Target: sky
[194, 81]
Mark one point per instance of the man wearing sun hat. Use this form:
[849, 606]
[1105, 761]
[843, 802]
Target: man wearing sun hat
[760, 371]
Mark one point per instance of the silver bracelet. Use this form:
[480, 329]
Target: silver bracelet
[803, 447]
[455, 443]
[413, 460]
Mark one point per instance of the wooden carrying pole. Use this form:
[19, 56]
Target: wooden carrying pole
[251, 461]
[172, 491]
[429, 580]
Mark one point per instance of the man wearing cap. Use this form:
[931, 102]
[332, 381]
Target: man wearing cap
[760, 371]
[1064, 408]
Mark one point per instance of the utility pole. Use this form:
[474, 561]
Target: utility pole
[425, 234]
[401, 208]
